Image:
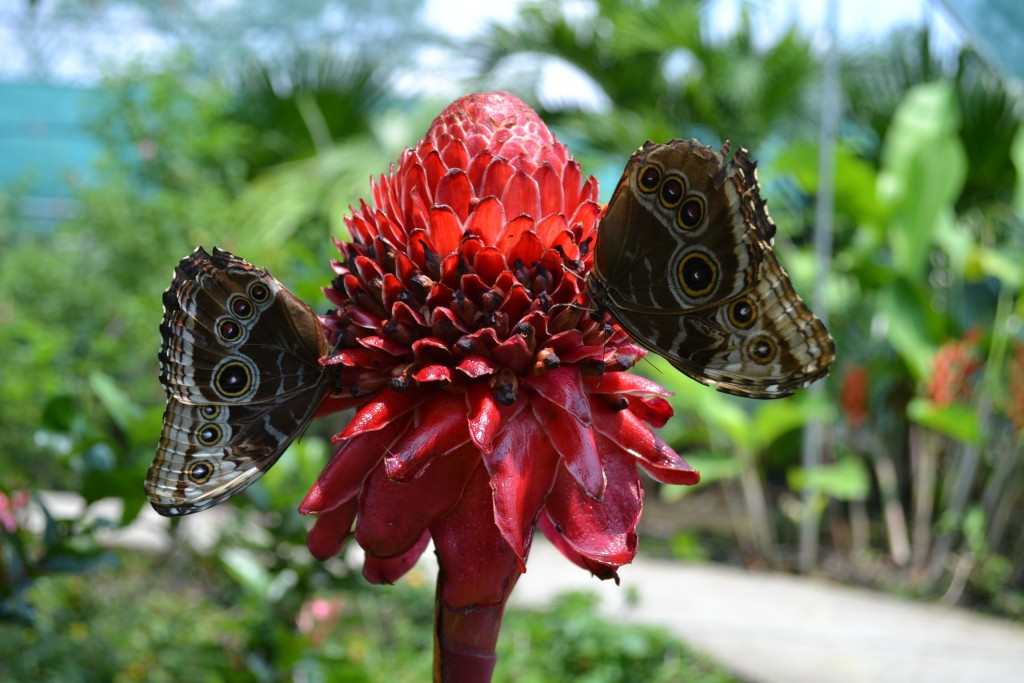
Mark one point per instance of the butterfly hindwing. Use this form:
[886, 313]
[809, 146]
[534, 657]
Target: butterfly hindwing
[239, 362]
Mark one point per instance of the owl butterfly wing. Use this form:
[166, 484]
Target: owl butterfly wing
[676, 234]
[209, 452]
[232, 333]
[764, 343]
[684, 264]
[239, 362]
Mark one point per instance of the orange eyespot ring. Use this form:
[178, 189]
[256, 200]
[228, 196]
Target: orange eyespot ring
[697, 274]
[672, 192]
[209, 434]
[691, 213]
[648, 178]
[200, 472]
[742, 313]
[762, 349]
[233, 379]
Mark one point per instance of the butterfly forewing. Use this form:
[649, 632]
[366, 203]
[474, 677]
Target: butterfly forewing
[684, 264]
[239, 362]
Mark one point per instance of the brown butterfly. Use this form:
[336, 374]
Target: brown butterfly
[239, 362]
[683, 263]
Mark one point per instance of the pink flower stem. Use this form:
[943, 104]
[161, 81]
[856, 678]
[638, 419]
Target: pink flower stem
[465, 638]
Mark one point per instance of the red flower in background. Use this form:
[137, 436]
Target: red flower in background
[1015, 406]
[953, 368]
[854, 396]
[489, 401]
[11, 509]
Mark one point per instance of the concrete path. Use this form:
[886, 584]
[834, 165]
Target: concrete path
[779, 628]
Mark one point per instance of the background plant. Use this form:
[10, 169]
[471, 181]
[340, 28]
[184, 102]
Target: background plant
[922, 476]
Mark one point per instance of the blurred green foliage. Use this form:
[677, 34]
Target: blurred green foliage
[922, 476]
[164, 621]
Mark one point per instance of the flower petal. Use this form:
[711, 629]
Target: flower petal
[477, 366]
[388, 570]
[605, 530]
[654, 410]
[392, 516]
[514, 354]
[330, 531]
[563, 387]
[575, 443]
[552, 227]
[625, 383]
[334, 404]
[439, 427]
[380, 411]
[552, 201]
[522, 468]
[435, 168]
[554, 535]
[521, 196]
[496, 177]
[444, 229]
[479, 564]
[455, 155]
[528, 248]
[455, 191]
[484, 416]
[634, 437]
[514, 230]
[433, 373]
[487, 220]
[344, 474]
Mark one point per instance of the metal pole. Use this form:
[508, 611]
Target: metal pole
[814, 431]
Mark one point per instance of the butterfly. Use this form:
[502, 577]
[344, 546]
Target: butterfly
[239, 362]
[683, 262]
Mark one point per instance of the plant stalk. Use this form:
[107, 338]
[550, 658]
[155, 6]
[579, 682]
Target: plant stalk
[465, 638]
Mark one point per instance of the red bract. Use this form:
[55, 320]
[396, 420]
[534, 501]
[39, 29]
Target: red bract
[491, 401]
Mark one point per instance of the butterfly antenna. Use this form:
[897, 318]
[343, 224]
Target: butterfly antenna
[569, 265]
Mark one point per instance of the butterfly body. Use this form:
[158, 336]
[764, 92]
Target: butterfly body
[683, 262]
[239, 363]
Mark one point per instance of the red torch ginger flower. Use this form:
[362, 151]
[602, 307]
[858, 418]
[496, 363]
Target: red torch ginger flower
[489, 401]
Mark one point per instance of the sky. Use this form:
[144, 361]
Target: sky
[77, 52]
[858, 19]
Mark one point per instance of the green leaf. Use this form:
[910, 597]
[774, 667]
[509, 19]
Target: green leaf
[772, 420]
[57, 413]
[720, 412]
[686, 546]
[856, 181]
[120, 408]
[1017, 155]
[845, 479]
[1001, 265]
[712, 467]
[906, 310]
[956, 419]
[245, 567]
[923, 170]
